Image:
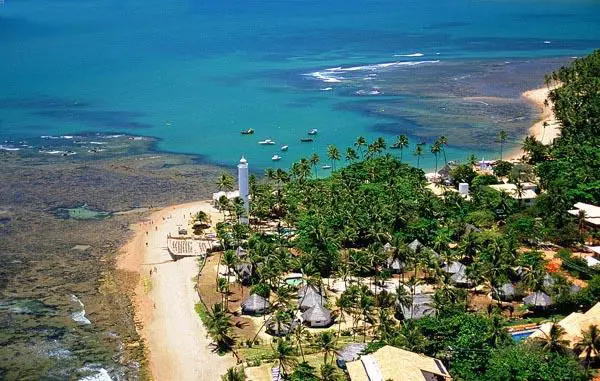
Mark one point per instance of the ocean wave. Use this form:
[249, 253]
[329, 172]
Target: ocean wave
[100, 375]
[368, 92]
[336, 74]
[7, 148]
[409, 55]
[79, 317]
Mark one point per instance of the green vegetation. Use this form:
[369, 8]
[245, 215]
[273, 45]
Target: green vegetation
[376, 216]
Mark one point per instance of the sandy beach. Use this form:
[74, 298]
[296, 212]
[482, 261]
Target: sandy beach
[165, 299]
[551, 131]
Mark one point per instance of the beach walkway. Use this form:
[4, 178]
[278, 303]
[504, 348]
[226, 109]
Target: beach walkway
[179, 348]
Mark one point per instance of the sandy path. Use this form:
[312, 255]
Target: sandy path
[547, 134]
[179, 349]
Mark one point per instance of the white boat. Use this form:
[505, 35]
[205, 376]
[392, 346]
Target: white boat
[267, 142]
[313, 131]
[276, 158]
[284, 148]
[326, 167]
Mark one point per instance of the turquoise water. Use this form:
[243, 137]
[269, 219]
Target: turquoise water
[194, 73]
[520, 336]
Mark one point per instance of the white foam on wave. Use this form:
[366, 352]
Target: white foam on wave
[7, 148]
[368, 92]
[335, 74]
[327, 89]
[409, 55]
[547, 42]
[98, 143]
[101, 375]
[79, 317]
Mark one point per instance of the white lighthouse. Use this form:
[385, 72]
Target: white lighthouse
[243, 181]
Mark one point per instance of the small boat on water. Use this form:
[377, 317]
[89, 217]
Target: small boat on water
[326, 167]
[267, 142]
[284, 148]
[276, 158]
[313, 131]
[249, 131]
[306, 140]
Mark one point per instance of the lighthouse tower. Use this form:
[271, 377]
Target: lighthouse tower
[243, 181]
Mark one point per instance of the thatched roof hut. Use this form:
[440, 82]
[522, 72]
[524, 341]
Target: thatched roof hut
[348, 353]
[538, 299]
[460, 279]
[254, 305]
[307, 288]
[506, 292]
[388, 248]
[280, 329]
[310, 299]
[317, 316]
[453, 267]
[244, 271]
[396, 265]
[422, 305]
[415, 245]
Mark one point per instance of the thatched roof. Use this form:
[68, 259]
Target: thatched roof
[421, 306]
[351, 351]
[574, 289]
[307, 289]
[396, 264]
[241, 252]
[255, 304]
[538, 299]
[281, 329]
[244, 269]
[311, 299]
[460, 278]
[387, 248]
[453, 267]
[507, 291]
[317, 313]
[548, 280]
[415, 245]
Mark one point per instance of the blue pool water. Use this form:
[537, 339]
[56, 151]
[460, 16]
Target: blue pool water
[194, 73]
[520, 336]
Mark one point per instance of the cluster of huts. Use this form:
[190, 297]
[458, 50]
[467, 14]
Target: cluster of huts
[311, 310]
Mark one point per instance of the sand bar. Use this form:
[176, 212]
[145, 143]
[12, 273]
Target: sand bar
[164, 300]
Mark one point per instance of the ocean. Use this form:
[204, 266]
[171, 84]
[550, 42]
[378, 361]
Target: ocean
[195, 73]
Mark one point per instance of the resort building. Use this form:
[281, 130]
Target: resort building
[527, 193]
[243, 182]
[230, 195]
[390, 363]
[574, 325]
[591, 213]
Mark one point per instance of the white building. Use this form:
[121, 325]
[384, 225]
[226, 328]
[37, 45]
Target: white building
[243, 182]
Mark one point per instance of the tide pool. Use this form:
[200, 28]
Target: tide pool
[195, 73]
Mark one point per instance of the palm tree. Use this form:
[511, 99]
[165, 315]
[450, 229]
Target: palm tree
[380, 144]
[300, 335]
[284, 356]
[226, 182]
[443, 140]
[314, 161]
[234, 374]
[404, 299]
[351, 154]
[418, 153]
[219, 326]
[229, 260]
[333, 154]
[435, 150]
[222, 288]
[401, 143]
[472, 160]
[552, 342]
[589, 344]
[359, 144]
[502, 135]
[329, 373]
[325, 342]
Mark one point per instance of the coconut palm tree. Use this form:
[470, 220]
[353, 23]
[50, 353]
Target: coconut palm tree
[589, 344]
[359, 144]
[222, 288]
[326, 343]
[234, 374]
[401, 143]
[435, 150]
[502, 135]
[284, 355]
[418, 153]
[351, 154]
[301, 335]
[552, 341]
[472, 159]
[314, 162]
[218, 326]
[226, 182]
[328, 372]
[333, 154]
[443, 140]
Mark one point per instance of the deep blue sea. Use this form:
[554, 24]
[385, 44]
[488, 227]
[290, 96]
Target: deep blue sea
[195, 73]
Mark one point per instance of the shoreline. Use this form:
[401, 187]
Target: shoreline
[164, 299]
[545, 135]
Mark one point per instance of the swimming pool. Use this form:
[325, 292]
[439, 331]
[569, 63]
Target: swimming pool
[294, 281]
[522, 335]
